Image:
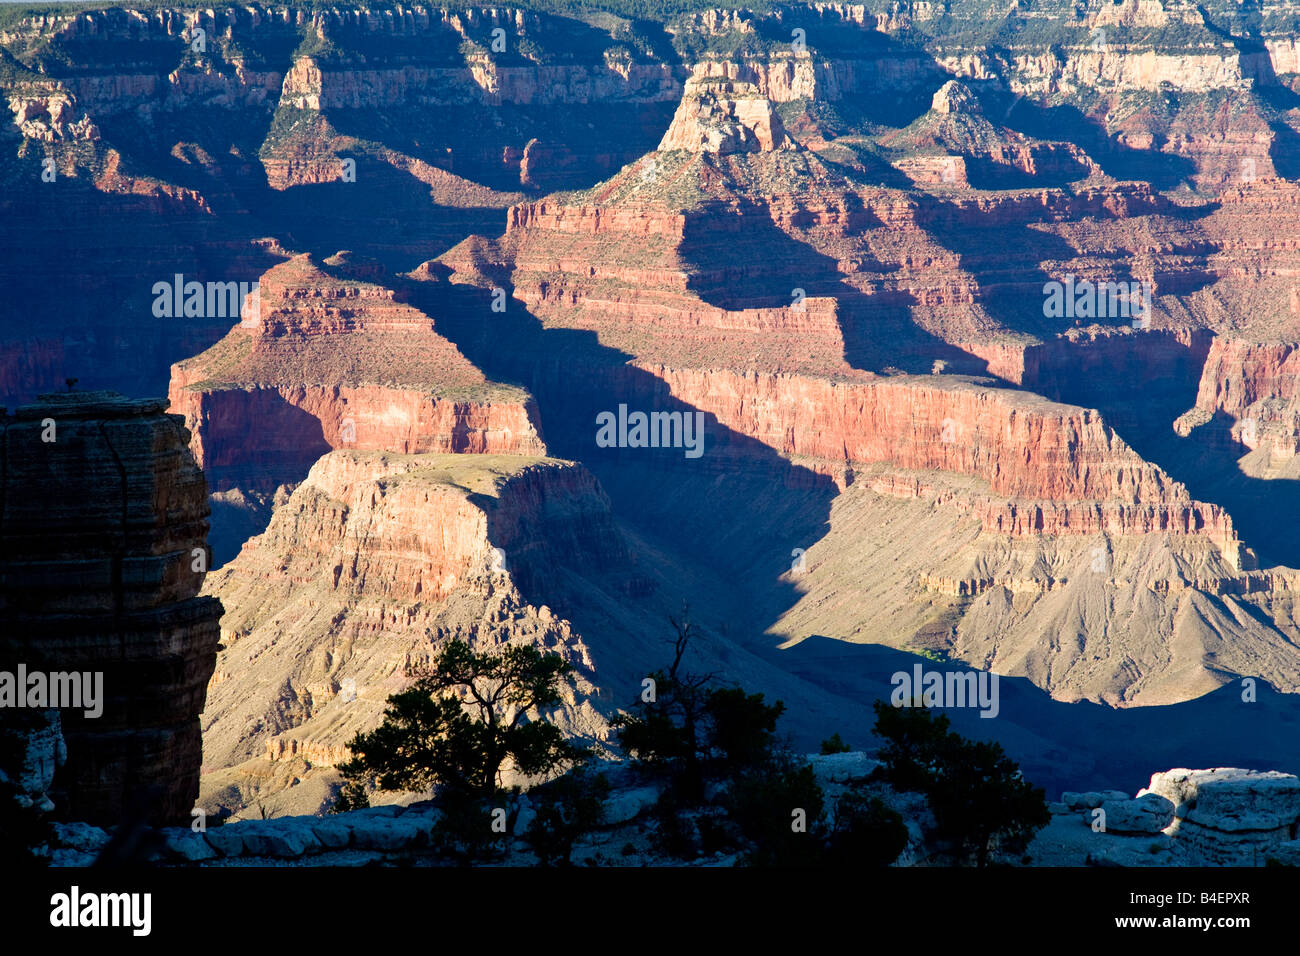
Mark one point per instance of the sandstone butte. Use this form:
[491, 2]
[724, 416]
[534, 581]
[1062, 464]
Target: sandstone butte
[326, 361]
[102, 556]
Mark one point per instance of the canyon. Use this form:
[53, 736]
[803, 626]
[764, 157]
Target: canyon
[838, 251]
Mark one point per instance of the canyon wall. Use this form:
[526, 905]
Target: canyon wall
[103, 521]
[1101, 61]
[1059, 469]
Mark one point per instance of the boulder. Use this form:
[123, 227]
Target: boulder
[1229, 816]
[627, 805]
[80, 836]
[183, 845]
[1091, 799]
[69, 857]
[839, 768]
[286, 838]
[385, 833]
[1149, 813]
[332, 833]
[227, 840]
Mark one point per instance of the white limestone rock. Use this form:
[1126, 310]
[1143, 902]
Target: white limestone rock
[954, 97]
[332, 833]
[1229, 816]
[840, 768]
[186, 846]
[227, 840]
[386, 833]
[1149, 813]
[725, 116]
[626, 805]
[1231, 799]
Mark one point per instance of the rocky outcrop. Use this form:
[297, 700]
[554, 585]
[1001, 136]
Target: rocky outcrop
[1061, 468]
[1106, 828]
[1230, 816]
[103, 521]
[724, 116]
[371, 564]
[1100, 61]
[1223, 817]
[1256, 385]
[311, 86]
[321, 362]
[1124, 619]
[48, 115]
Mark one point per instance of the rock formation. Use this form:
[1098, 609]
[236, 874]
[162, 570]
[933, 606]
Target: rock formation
[1231, 816]
[371, 564]
[326, 362]
[687, 261]
[103, 521]
[724, 116]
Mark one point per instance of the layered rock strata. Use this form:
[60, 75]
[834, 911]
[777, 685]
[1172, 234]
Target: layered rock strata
[683, 261]
[103, 522]
[325, 362]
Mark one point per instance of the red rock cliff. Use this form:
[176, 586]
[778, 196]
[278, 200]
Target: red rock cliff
[323, 362]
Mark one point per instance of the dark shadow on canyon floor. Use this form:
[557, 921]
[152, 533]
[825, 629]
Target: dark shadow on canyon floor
[739, 507]
[1078, 746]
[746, 261]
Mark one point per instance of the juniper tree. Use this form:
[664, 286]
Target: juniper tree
[977, 794]
[459, 722]
[688, 730]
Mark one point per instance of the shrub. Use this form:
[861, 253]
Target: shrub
[464, 831]
[689, 732]
[779, 810]
[834, 744]
[865, 832]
